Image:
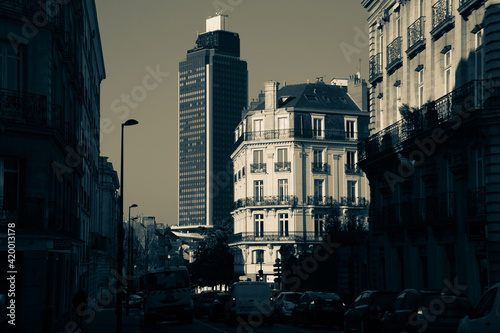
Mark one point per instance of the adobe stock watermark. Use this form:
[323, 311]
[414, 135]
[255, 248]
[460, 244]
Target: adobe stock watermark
[40, 19]
[437, 306]
[361, 41]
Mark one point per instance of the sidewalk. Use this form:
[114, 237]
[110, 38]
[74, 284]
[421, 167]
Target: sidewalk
[105, 322]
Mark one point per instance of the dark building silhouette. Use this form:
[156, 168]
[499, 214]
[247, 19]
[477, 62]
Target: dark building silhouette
[213, 89]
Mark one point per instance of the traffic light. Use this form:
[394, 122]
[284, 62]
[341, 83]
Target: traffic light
[261, 274]
[277, 271]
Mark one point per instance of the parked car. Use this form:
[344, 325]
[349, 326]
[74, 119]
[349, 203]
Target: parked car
[204, 299]
[367, 311]
[285, 303]
[320, 308]
[250, 301]
[429, 311]
[485, 317]
[217, 310]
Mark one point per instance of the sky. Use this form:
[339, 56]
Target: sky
[143, 42]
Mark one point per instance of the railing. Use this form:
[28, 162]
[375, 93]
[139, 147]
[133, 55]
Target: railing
[466, 6]
[442, 14]
[320, 200]
[467, 98]
[287, 200]
[320, 167]
[476, 203]
[394, 53]
[25, 108]
[292, 236]
[21, 6]
[353, 201]
[416, 35]
[375, 67]
[282, 166]
[352, 168]
[302, 133]
[258, 168]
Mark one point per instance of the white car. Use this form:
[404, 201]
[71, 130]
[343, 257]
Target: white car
[486, 315]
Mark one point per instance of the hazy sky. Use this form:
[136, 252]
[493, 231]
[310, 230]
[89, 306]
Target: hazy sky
[284, 40]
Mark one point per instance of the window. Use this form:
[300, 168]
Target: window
[318, 157]
[282, 155]
[259, 225]
[447, 72]
[257, 256]
[258, 156]
[318, 189]
[420, 88]
[350, 129]
[319, 220]
[398, 101]
[485, 304]
[381, 107]
[282, 189]
[10, 67]
[258, 127]
[479, 167]
[351, 190]
[283, 224]
[421, 9]
[479, 58]
[282, 127]
[9, 184]
[258, 190]
[351, 160]
[318, 129]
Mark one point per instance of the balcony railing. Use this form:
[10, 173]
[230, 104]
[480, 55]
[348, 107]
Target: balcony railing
[375, 68]
[467, 98]
[24, 108]
[351, 168]
[258, 168]
[353, 201]
[290, 237]
[302, 133]
[286, 200]
[465, 7]
[25, 7]
[416, 36]
[394, 58]
[320, 167]
[442, 17]
[476, 203]
[320, 200]
[282, 166]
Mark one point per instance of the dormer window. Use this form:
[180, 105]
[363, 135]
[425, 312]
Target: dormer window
[318, 126]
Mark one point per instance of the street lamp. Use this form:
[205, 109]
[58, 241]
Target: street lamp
[119, 294]
[129, 257]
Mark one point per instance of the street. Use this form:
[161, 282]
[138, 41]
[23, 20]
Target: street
[104, 322]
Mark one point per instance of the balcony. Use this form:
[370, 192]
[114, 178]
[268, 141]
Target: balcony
[476, 204]
[394, 58]
[416, 37]
[375, 69]
[313, 200]
[258, 168]
[282, 166]
[353, 201]
[288, 200]
[466, 7]
[467, 98]
[23, 108]
[290, 237]
[352, 169]
[302, 133]
[22, 7]
[442, 18]
[320, 167]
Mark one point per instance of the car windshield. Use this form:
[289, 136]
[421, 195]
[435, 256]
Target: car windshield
[252, 291]
[383, 300]
[294, 298]
[168, 280]
[331, 296]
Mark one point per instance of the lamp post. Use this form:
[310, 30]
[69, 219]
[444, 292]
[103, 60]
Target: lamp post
[129, 258]
[119, 294]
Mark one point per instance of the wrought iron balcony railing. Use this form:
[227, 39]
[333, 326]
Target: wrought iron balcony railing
[476, 204]
[24, 108]
[282, 166]
[375, 68]
[467, 98]
[302, 133]
[442, 17]
[291, 236]
[394, 57]
[353, 201]
[465, 7]
[287, 200]
[352, 168]
[258, 168]
[416, 36]
[320, 167]
[320, 200]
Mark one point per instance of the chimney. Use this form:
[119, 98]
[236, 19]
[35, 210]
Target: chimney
[358, 90]
[271, 92]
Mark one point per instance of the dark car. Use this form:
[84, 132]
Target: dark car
[367, 311]
[429, 311]
[285, 303]
[216, 310]
[204, 299]
[321, 308]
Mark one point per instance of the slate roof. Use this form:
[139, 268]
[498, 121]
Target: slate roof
[318, 96]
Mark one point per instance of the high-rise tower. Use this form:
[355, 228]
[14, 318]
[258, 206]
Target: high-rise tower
[213, 89]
